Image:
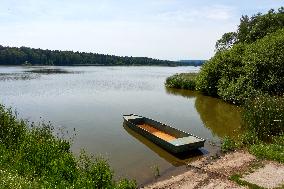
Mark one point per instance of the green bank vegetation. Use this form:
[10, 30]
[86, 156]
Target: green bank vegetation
[182, 81]
[247, 69]
[31, 156]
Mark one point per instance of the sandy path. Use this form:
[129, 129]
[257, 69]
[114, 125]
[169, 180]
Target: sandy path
[208, 174]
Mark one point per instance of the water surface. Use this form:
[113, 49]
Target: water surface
[93, 99]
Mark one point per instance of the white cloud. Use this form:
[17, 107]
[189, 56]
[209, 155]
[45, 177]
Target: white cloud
[218, 12]
[166, 29]
[207, 13]
[119, 38]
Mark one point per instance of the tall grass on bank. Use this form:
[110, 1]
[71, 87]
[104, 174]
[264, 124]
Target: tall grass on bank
[263, 121]
[32, 157]
[182, 81]
[265, 116]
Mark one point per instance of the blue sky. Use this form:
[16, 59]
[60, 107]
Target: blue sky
[165, 29]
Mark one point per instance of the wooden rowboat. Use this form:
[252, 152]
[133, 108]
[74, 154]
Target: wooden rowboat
[169, 138]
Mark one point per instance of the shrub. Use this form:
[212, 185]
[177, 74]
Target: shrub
[126, 184]
[12, 131]
[96, 170]
[272, 151]
[220, 72]
[34, 158]
[209, 75]
[182, 81]
[265, 116]
[228, 145]
[236, 91]
[264, 63]
[245, 71]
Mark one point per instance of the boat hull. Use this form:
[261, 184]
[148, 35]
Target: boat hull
[132, 121]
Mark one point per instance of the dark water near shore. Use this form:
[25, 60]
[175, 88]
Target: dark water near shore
[93, 99]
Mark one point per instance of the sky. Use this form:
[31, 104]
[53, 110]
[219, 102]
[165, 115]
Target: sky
[163, 29]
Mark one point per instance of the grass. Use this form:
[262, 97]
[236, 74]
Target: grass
[228, 145]
[182, 81]
[264, 116]
[32, 157]
[237, 179]
[272, 151]
[264, 129]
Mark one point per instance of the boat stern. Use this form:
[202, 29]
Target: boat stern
[131, 117]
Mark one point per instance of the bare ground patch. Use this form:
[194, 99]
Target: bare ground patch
[208, 173]
[269, 176]
[231, 163]
[187, 180]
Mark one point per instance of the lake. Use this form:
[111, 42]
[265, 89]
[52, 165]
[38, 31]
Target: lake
[92, 100]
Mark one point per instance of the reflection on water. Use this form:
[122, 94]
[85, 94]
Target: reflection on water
[42, 70]
[221, 118]
[94, 100]
[29, 73]
[181, 92]
[175, 159]
[17, 76]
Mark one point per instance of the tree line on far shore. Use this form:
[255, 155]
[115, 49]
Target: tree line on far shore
[32, 56]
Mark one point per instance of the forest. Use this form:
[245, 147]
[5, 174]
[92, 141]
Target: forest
[32, 56]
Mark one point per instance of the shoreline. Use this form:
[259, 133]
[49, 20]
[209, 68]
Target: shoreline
[236, 169]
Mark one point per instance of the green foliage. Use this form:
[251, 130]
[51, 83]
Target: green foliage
[221, 71]
[258, 26]
[209, 76]
[268, 151]
[248, 138]
[252, 28]
[264, 63]
[245, 71]
[182, 81]
[248, 62]
[14, 181]
[126, 184]
[32, 157]
[29, 56]
[265, 116]
[12, 131]
[271, 151]
[226, 42]
[264, 129]
[228, 144]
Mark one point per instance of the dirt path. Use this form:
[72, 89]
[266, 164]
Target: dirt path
[207, 173]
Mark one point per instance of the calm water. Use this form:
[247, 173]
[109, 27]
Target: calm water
[93, 99]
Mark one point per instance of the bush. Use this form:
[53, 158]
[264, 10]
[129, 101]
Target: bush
[182, 81]
[272, 151]
[265, 116]
[209, 75]
[12, 131]
[264, 63]
[245, 71]
[236, 91]
[32, 157]
[220, 72]
[228, 144]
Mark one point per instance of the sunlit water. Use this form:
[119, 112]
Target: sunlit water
[93, 99]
